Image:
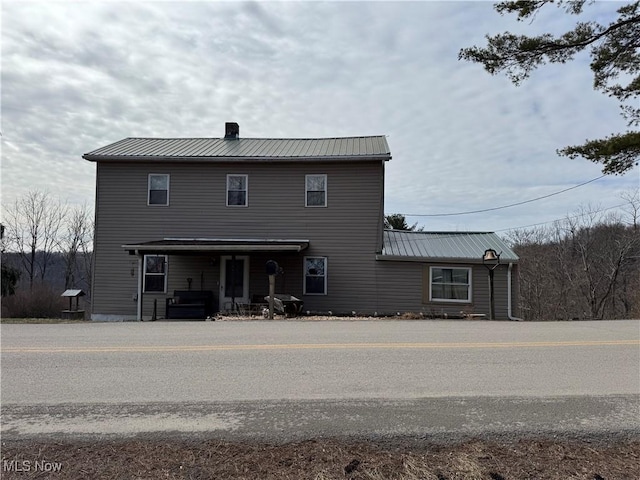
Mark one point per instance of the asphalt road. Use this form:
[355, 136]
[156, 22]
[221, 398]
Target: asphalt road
[293, 380]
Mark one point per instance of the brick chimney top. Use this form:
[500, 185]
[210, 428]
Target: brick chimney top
[231, 131]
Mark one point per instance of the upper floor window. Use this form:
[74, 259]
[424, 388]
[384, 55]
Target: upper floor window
[237, 190]
[155, 273]
[315, 275]
[316, 191]
[450, 284]
[158, 189]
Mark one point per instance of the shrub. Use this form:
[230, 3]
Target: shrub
[41, 302]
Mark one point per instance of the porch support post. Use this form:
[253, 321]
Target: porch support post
[272, 290]
[233, 282]
[140, 283]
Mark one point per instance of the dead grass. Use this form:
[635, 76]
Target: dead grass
[40, 320]
[326, 459]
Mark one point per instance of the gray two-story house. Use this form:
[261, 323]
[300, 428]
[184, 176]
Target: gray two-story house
[199, 218]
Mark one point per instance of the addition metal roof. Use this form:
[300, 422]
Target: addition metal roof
[467, 247]
[251, 149]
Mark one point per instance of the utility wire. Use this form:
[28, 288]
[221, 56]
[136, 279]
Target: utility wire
[561, 219]
[445, 235]
[503, 206]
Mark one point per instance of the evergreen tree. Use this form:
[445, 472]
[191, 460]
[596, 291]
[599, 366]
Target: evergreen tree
[615, 61]
[397, 221]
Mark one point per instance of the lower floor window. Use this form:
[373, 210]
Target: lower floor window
[450, 284]
[315, 275]
[155, 273]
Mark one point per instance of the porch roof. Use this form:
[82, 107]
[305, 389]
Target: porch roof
[231, 245]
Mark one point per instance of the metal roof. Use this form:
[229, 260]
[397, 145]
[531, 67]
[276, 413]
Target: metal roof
[443, 246]
[208, 149]
[73, 293]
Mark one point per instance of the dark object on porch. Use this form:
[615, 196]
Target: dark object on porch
[190, 304]
[73, 313]
[288, 305]
[257, 305]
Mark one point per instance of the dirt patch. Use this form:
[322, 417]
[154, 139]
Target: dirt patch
[322, 459]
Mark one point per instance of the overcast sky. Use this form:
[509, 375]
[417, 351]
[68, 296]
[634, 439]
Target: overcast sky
[78, 76]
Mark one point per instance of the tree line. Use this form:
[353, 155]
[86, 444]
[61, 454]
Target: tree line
[586, 266]
[47, 246]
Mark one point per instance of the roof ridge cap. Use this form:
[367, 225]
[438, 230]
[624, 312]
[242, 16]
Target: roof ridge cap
[256, 138]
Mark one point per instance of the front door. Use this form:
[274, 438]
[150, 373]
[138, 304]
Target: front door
[234, 281]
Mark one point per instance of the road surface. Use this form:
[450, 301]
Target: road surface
[284, 380]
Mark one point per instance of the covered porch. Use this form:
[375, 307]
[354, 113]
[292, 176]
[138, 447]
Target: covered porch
[196, 278]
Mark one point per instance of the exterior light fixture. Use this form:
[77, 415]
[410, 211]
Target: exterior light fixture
[491, 260]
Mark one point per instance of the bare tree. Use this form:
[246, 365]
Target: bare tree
[534, 270]
[586, 266]
[54, 221]
[632, 207]
[10, 275]
[76, 242]
[86, 247]
[601, 251]
[33, 223]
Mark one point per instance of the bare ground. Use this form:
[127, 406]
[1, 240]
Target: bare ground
[322, 459]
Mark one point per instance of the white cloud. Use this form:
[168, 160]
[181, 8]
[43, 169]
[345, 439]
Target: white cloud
[77, 76]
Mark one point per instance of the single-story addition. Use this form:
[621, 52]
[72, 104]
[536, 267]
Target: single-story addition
[451, 273]
[185, 228]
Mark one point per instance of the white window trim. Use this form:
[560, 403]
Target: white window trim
[304, 275]
[144, 274]
[149, 189]
[326, 190]
[246, 182]
[447, 300]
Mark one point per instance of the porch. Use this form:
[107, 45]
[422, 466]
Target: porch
[212, 275]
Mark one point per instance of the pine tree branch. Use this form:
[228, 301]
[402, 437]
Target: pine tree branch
[618, 153]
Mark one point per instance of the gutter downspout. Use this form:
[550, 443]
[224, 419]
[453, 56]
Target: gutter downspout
[511, 317]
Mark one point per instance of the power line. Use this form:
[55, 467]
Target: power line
[447, 234]
[560, 219]
[503, 206]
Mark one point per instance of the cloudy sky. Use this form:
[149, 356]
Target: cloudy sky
[77, 76]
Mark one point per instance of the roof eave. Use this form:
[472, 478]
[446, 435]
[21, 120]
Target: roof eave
[294, 246]
[216, 248]
[414, 259]
[169, 159]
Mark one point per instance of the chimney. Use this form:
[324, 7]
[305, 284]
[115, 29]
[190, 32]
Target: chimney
[231, 131]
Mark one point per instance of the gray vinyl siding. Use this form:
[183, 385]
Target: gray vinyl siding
[404, 287]
[394, 288]
[348, 231]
